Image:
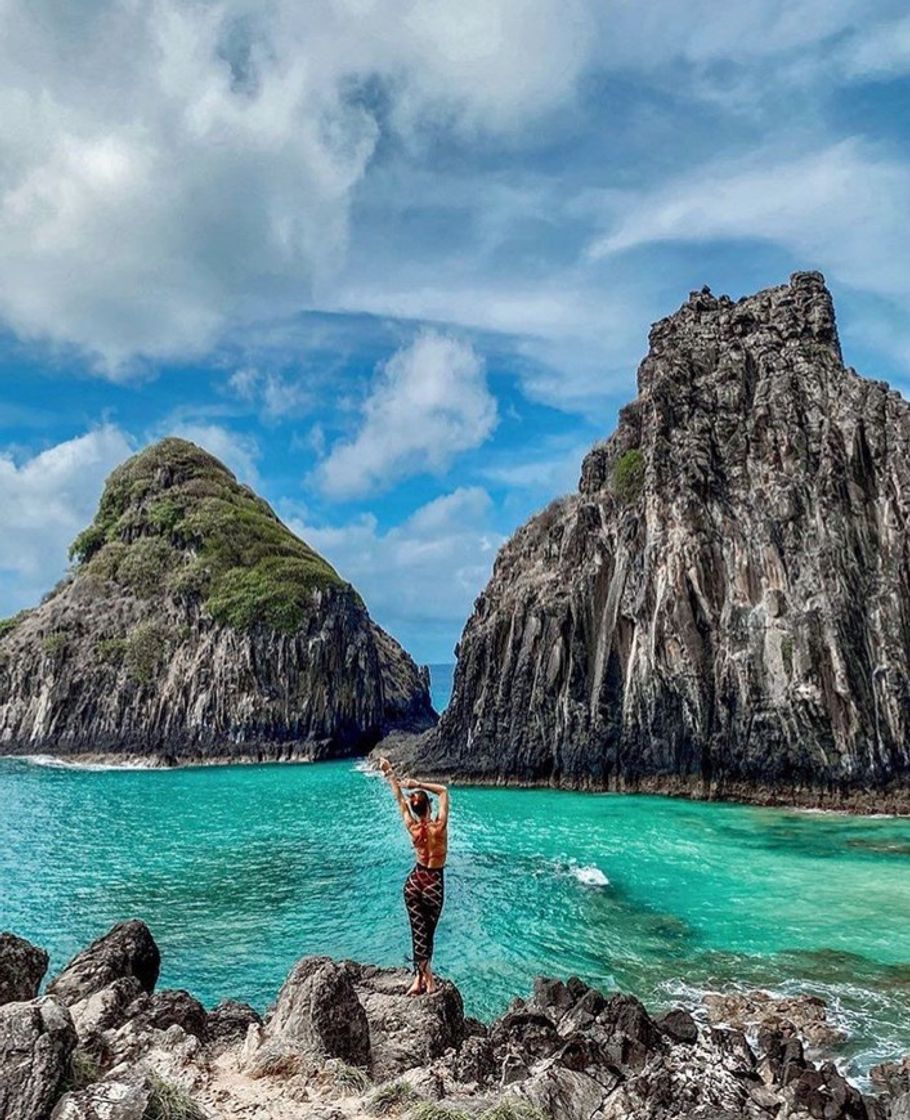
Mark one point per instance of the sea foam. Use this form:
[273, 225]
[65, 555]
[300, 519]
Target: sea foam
[590, 876]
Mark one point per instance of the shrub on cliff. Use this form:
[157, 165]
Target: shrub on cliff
[629, 475]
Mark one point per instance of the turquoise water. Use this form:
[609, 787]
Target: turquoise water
[241, 870]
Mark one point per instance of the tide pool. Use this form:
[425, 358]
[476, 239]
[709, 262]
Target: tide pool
[241, 870]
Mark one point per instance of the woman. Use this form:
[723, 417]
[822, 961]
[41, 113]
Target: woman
[424, 888]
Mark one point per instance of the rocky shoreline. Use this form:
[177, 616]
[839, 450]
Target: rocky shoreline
[407, 753]
[343, 1042]
[895, 803]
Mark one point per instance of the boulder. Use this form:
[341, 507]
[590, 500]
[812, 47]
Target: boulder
[317, 1016]
[565, 1093]
[37, 1039]
[227, 1024]
[893, 1077]
[22, 968]
[526, 1034]
[678, 1025]
[105, 1009]
[106, 1100]
[168, 1008]
[128, 949]
[405, 1031]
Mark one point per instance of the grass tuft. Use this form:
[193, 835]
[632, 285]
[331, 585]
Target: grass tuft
[430, 1110]
[350, 1078]
[56, 642]
[392, 1098]
[512, 1110]
[169, 1102]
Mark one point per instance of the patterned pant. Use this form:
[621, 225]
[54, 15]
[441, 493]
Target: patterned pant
[424, 894]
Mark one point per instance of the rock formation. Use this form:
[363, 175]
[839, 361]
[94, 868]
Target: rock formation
[197, 626]
[22, 968]
[723, 609]
[344, 1042]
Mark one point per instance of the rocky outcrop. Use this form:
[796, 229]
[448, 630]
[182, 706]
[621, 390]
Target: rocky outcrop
[723, 609]
[343, 1040]
[126, 952]
[37, 1039]
[108, 1100]
[197, 627]
[22, 968]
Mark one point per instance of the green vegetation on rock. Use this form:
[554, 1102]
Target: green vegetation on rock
[174, 520]
[146, 648]
[629, 475]
[111, 650]
[8, 625]
[391, 1098]
[168, 1101]
[57, 642]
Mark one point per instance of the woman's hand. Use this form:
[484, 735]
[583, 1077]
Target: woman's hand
[409, 783]
[384, 765]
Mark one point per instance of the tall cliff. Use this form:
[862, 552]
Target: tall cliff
[195, 625]
[723, 609]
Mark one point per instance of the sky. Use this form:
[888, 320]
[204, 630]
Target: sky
[395, 261]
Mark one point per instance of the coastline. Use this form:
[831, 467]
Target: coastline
[861, 803]
[344, 1038]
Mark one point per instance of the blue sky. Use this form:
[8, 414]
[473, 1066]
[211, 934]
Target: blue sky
[395, 261]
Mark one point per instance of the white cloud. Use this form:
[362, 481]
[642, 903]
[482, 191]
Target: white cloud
[419, 579]
[276, 397]
[172, 168]
[429, 402]
[841, 209]
[45, 502]
[882, 50]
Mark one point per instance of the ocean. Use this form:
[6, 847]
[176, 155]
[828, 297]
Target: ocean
[239, 871]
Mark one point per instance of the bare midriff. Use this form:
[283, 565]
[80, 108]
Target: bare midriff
[431, 842]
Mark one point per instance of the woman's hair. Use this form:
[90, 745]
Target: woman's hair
[420, 803]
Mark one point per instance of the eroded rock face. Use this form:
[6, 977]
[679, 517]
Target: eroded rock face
[37, 1040]
[22, 968]
[126, 951]
[198, 627]
[108, 1100]
[723, 609]
[317, 1016]
[759, 1012]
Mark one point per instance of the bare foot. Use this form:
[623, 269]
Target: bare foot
[416, 988]
[431, 985]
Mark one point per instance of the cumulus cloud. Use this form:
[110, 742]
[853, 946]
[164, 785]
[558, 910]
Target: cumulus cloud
[170, 168]
[45, 501]
[275, 396]
[429, 402]
[419, 578]
[840, 208]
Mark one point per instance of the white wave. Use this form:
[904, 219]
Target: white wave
[53, 763]
[364, 766]
[589, 876]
